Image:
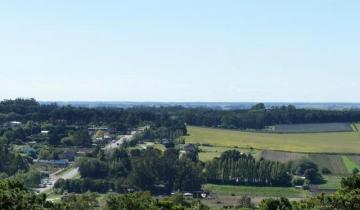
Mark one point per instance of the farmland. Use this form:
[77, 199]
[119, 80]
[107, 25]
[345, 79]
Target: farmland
[333, 162]
[350, 164]
[282, 156]
[312, 128]
[332, 142]
[255, 191]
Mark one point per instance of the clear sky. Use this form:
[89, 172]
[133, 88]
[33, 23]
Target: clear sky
[184, 50]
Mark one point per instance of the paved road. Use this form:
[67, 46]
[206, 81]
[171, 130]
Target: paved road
[58, 175]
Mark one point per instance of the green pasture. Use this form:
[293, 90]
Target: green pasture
[332, 142]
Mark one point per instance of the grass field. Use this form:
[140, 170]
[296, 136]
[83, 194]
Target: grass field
[350, 164]
[289, 192]
[332, 183]
[333, 142]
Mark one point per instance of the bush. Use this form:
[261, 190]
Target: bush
[325, 171]
[355, 171]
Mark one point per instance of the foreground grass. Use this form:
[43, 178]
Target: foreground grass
[252, 191]
[335, 142]
[332, 183]
[349, 164]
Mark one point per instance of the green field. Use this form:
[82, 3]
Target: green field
[334, 163]
[333, 142]
[350, 164]
[252, 191]
[332, 183]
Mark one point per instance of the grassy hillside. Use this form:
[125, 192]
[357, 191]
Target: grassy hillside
[336, 142]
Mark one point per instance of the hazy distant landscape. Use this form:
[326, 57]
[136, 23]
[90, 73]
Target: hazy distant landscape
[214, 105]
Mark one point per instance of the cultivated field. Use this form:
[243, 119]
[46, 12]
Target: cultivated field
[333, 142]
[334, 163]
[313, 128]
[350, 164]
[282, 156]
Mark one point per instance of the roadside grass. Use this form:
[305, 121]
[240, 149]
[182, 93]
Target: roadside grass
[252, 191]
[332, 182]
[350, 165]
[56, 198]
[332, 142]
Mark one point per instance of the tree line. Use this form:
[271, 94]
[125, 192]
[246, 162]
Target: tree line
[258, 117]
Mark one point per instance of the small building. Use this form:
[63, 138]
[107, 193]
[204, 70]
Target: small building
[165, 141]
[59, 163]
[12, 124]
[44, 132]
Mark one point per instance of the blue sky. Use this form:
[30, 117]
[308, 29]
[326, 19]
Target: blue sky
[186, 50]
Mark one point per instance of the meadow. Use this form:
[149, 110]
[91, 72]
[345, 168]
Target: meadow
[330, 142]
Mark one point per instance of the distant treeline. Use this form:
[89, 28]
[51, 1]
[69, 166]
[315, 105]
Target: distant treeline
[25, 110]
[258, 117]
[172, 118]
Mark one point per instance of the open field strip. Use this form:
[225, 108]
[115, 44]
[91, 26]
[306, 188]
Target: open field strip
[253, 191]
[334, 142]
[350, 165]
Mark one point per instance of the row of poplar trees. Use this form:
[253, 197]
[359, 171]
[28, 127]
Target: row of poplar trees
[235, 167]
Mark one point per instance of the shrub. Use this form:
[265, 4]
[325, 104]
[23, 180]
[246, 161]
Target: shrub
[325, 171]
